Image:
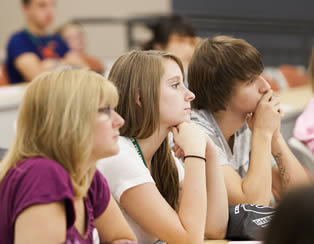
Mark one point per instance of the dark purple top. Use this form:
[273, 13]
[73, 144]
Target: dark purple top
[42, 181]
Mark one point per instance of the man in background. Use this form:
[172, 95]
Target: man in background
[33, 50]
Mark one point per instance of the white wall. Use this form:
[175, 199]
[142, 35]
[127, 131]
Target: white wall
[103, 40]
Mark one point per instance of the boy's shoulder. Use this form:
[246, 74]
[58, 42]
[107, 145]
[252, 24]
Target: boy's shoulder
[204, 119]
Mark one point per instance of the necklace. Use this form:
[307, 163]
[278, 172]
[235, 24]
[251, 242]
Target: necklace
[45, 45]
[138, 149]
[36, 40]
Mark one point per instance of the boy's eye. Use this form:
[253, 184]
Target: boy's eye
[251, 81]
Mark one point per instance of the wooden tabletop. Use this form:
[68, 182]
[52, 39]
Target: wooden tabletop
[231, 242]
[216, 242]
[295, 99]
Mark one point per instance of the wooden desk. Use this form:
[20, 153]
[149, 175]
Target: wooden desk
[216, 242]
[231, 242]
[293, 102]
[295, 99]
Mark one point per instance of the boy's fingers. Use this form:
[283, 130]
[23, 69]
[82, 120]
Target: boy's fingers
[267, 96]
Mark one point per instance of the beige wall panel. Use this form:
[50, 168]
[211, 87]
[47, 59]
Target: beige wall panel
[106, 41]
[11, 19]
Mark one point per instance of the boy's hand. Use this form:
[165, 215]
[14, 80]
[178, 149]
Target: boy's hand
[267, 115]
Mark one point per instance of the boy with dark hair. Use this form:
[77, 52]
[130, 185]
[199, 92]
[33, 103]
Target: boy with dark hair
[33, 50]
[239, 111]
[174, 34]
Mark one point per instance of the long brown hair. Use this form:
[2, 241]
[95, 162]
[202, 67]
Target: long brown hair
[138, 73]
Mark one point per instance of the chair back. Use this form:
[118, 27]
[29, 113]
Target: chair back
[302, 153]
[3, 76]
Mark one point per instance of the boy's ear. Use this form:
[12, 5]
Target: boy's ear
[138, 99]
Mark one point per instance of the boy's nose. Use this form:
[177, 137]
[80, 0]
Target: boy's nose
[264, 86]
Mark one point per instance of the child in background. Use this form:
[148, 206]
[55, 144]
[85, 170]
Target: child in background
[74, 36]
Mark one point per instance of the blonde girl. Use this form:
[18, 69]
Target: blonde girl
[50, 189]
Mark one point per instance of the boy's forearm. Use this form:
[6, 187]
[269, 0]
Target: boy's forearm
[291, 172]
[217, 200]
[257, 184]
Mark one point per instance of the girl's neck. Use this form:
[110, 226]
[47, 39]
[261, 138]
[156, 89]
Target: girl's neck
[85, 168]
[150, 145]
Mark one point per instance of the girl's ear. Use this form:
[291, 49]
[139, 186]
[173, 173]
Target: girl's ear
[157, 46]
[138, 99]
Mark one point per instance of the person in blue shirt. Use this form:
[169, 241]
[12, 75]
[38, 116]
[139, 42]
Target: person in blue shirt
[33, 50]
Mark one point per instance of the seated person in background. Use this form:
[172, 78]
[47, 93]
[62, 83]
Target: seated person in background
[2, 153]
[174, 35]
[73, 34]
[50, 189]
[161, 199]
[33, 50]
[3, 75]
[239, 111]
[304, 127]
[293, 222]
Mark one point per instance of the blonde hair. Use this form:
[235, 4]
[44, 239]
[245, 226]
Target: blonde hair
[61, 29]
[138, 73]
[56, 121]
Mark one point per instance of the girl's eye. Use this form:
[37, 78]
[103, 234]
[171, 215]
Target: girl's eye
[176, 85]
[105, 111]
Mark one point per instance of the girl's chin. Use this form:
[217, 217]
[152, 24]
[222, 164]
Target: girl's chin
[187, 119]
[176, 123]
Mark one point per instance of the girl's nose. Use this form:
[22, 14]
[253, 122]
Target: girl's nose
[190, 96]
[118, 121]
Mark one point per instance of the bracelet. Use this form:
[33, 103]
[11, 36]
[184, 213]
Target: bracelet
[194, 156]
